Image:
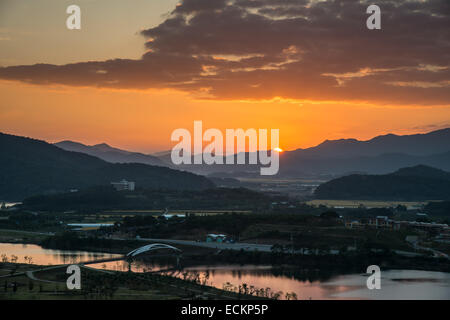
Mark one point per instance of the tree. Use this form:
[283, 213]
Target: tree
[329, 215]
[324, 249]
[291, 296]
[277, 248]
[424, 219]
[343, 250]
[28, 259]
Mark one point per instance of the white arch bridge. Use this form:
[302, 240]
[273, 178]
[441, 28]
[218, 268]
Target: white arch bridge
[151, 247]
[130, 256]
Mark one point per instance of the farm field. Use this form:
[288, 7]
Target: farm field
[114, 213]
[366, 203]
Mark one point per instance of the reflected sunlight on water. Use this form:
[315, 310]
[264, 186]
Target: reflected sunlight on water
[396, 284]
[43, 256]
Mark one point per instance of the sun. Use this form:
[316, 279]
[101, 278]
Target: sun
[278, 150]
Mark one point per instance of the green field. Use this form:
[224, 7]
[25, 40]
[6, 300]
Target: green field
[21, 236]
[366, 203]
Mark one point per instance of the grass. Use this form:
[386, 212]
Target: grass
[20, 236]
[281, 181]
[366, 203]
[334, 237]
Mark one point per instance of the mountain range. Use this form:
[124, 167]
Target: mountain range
[110, 154]
[29, 167]
[382, 154]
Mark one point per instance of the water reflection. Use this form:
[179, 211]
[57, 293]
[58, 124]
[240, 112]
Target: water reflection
[43, 256]
[306, 284]
[312, 284]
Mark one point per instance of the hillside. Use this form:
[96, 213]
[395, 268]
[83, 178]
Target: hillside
[110, 154]
[415, 183]
[106, 198]
[434, 142]
[29, 167]
[379, 155]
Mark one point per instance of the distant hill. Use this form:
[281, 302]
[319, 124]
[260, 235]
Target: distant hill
[438, 208]
[110, 154]
[414, 183]
[29, 167]
[434, 142]
[380, 155]
[424, 172]
[163, 154]
[106, 198]
[379, 164]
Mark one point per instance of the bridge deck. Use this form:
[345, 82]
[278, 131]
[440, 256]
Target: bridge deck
[103, 260]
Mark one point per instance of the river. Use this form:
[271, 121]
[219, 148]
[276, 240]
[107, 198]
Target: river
[395, 284]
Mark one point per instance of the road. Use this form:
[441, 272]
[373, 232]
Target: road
[436, 253]
[29, 232]
[243, 246]
[214, 245]
[240, 246]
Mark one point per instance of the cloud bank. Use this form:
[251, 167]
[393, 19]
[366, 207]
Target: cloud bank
[294, 49]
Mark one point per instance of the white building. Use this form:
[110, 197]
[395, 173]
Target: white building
[123, 185]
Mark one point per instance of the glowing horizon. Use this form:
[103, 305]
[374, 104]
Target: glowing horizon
[128, 79]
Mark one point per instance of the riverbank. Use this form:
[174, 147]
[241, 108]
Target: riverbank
[30, 282]
[306, 280]
[20, 236]
[343, 262]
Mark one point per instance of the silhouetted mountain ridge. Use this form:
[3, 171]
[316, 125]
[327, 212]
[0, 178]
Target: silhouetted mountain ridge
[413, 183]
[110, 154]
[423, 171]
[29, 167]
[434, 142]
[381, 154]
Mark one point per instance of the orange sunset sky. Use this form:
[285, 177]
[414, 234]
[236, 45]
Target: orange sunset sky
[137, 70]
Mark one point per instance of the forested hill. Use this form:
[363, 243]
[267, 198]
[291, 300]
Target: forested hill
[414, 183]
[29, 166]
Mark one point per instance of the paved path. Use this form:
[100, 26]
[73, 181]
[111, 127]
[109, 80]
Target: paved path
[244, 246]
[101, 260]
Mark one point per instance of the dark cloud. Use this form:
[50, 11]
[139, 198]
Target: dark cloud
[300, 49]
[195, 6]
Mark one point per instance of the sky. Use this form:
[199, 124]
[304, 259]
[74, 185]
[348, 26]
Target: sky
[137, 70]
